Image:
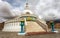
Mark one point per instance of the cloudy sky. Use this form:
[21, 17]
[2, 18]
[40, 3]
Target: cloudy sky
[47, 9]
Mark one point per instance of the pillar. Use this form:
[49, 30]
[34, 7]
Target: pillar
[52, 26]
[22, 26]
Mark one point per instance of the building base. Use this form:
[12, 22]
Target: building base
[21, 33]
[39, 33]
[55, 31]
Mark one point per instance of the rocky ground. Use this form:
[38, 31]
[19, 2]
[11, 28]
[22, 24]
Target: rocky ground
[15, 35]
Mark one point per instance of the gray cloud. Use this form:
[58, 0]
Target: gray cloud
[46, 9]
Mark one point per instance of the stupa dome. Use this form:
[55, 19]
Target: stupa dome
[27, 11]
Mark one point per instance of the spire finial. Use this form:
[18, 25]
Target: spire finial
[27, 5]
[26, 1]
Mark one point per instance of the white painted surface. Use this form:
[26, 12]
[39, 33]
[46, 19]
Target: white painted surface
[13, 27]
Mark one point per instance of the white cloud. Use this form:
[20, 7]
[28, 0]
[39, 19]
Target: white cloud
[15, 12]
[2, 19]
[5, 8]
[46, 9]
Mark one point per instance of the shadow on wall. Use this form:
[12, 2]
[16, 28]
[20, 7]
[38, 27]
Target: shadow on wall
[57, 24]
[1, 25]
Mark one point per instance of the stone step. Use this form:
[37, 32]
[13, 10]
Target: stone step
[39, 33]
[33, 27]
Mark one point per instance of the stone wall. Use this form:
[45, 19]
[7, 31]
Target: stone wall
[1, 26]
[57, 25]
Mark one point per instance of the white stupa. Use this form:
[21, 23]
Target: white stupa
[32, 23]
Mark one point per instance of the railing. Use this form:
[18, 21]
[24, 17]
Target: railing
[44, 26]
